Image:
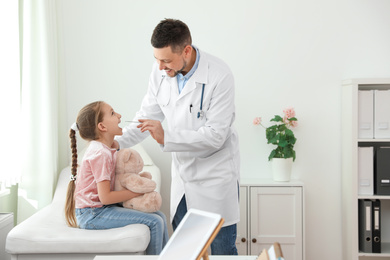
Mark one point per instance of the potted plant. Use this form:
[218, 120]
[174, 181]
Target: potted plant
[281, 135]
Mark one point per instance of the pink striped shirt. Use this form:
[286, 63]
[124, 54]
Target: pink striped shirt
[98, 165]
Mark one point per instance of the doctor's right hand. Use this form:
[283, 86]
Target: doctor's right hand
[154, 127]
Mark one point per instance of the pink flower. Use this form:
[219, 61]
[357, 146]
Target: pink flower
[293, 123]
[257, 121]
[289, 112]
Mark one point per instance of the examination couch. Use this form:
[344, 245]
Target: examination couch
[45, 234]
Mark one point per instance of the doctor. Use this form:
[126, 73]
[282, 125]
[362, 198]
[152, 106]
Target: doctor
[194, 91]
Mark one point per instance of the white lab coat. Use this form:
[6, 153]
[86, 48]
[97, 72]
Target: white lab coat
[205, 152]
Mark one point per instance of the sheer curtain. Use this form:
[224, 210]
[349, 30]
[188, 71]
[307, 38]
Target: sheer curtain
[37, 141]
[10, 94]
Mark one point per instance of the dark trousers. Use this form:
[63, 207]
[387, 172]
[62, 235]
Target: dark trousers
[223, 244]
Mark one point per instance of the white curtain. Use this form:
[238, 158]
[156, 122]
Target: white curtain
[38, 140]
[10, 94]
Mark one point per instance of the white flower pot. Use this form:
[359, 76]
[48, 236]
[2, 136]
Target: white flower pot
[281, 169]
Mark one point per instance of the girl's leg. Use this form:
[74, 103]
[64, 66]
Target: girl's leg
[112, 216]
[165, 233]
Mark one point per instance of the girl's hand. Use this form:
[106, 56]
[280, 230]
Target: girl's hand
[115, 145]
[107, 196]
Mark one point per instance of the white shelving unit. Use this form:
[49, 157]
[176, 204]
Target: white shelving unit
[349, 173]
[271, 212]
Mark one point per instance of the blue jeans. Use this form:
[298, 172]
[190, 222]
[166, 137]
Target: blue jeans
[114, 216]
[223, 244]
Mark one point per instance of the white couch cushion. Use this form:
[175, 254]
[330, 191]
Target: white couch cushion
[43, 234]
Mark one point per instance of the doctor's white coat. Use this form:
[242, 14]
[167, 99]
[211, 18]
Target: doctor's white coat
[205, 152]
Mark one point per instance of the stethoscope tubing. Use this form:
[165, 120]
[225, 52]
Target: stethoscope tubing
[201, 101]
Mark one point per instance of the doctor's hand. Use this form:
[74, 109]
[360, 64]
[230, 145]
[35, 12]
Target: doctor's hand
[154, 127]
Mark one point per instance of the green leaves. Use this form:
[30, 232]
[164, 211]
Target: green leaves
[281, 136]
[277, 119]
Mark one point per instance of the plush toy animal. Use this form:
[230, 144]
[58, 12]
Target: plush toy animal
[128, 175]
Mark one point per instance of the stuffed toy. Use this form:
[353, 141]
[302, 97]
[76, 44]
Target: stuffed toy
[128, 175]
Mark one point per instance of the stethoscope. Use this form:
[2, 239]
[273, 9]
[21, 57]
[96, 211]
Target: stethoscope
[201, 113]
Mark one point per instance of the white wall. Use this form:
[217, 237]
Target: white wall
[282, 53]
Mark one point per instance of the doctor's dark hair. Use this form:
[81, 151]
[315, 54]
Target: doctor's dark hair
[173, 33]
[87, 120]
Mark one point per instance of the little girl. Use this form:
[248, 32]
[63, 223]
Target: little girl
[91, 201]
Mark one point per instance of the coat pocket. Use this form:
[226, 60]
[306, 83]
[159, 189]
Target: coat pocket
[215, 169]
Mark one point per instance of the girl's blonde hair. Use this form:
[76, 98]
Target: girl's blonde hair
[87, 120]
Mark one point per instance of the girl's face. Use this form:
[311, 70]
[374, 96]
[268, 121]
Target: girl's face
[111, 120]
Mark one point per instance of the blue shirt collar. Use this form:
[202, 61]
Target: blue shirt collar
[193, 69]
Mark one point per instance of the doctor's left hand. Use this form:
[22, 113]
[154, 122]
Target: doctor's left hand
[154, 127]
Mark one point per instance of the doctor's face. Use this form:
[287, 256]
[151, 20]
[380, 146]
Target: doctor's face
[171, 62]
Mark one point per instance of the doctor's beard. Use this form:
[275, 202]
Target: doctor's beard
[178, 71]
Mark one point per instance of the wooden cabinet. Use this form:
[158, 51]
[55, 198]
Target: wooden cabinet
[271, 212]
[242, 226]
[350, 168]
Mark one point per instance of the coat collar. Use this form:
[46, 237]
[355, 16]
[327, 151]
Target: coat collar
[199, 77]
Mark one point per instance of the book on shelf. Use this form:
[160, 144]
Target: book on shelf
[382, 171]
[381, 114]
[370, 226]
[366, 170]
[376, 226]
[366, 114]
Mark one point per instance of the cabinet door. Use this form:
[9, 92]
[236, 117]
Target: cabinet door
[276, 216]
[242, 226]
